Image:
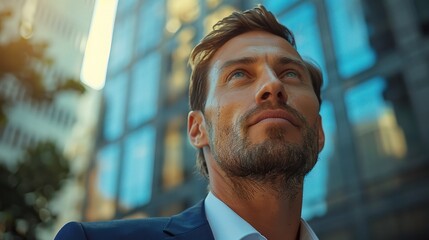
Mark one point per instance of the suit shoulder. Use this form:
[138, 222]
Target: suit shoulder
[72, 230]
[150, 228]
[127, 223]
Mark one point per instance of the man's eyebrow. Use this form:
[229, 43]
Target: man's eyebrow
[289, 60]
[281, 60]
[238, 61]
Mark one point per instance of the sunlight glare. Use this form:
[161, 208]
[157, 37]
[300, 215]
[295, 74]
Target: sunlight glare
[97, 51]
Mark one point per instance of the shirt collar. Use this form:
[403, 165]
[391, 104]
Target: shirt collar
[226, 224]
[305, 231]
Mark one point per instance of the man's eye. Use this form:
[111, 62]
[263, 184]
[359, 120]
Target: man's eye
[291, 74]
[237, 74]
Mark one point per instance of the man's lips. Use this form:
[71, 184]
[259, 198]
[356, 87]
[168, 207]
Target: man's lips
[273, 114]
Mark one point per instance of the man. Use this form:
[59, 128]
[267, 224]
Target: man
[255, 122]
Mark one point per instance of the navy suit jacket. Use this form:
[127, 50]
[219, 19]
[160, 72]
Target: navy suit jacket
[190, 224]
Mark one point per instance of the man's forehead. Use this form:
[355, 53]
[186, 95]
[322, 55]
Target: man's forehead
[256, 44]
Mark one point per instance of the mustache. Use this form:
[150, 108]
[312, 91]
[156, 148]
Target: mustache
[269, 106]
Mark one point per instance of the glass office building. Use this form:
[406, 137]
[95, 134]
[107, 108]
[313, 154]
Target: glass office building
[372, 178]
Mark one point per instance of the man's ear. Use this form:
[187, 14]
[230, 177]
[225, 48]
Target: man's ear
[321, 140]
[197, 131]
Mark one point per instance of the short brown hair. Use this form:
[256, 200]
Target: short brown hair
[256, 19]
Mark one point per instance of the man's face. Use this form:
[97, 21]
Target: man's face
[262, 115]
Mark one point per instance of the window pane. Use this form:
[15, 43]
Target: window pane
[317, 181]
[184, 11]
[303, 23]
[211, 19]
[380, 141]
[125, 6]
[350, 36]
[173, 172]
[422, 7]
[101, 203]
[136, 182]
[144, 90]
[151, 25]
[122, 43]
[178, 80]
[277, 6]
[114, 93]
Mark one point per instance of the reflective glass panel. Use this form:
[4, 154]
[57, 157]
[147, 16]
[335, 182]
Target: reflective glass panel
[144, 90]
[151, 25]
[102, 182]
[136, 181]
[380, 141]
[350, 36]
[277, 6]
[184, 11]
[173, 169]
[317, 181]
[114, 93]
[125, 6]
[107, 164]
[213, 18]
[178, 81]
[302, 21]
[122, 43]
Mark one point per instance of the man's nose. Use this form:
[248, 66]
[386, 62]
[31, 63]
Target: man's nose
[272, 89]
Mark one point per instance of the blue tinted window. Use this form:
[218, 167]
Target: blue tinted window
[350, 36]
[151, 25]
[144, 90]
[122, 43]
[108, 166]
[136, 182]
[114, 93]
[302, 21]
[125, 6]
[316, 183]
[365, 102]
[380, 140]
[277, 6]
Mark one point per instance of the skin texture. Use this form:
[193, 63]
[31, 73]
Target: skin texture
[260, 131]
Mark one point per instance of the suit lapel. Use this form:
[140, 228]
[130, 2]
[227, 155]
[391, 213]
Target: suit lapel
[190, 224]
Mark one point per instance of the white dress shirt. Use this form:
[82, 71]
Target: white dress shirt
[228, 225]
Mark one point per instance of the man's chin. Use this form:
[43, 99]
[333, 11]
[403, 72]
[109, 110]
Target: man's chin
[276, 136]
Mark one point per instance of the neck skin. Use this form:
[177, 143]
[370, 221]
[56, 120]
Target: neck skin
[274, 216]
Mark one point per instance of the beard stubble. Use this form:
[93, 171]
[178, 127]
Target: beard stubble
[279, 165]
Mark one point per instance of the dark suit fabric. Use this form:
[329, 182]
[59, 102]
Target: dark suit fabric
[190, 224]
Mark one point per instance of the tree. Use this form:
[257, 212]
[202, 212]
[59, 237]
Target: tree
[27, 188]
[17, 59]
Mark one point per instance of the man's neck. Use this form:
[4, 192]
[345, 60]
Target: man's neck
[275, 214]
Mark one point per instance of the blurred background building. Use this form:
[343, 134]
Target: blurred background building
[64, 27]
[372, 176]
[53, 23]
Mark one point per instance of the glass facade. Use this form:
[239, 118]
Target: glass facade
[371, 178]
[114, 113]
[353, 50]
[137, 170]
[302, 21]
[144, 89]
[379, 140]
[122, 43]
[150, 34]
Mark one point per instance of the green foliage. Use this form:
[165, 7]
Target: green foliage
[17, 59]
[27, 190]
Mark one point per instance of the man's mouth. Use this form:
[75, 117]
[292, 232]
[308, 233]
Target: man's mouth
[274, 116]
